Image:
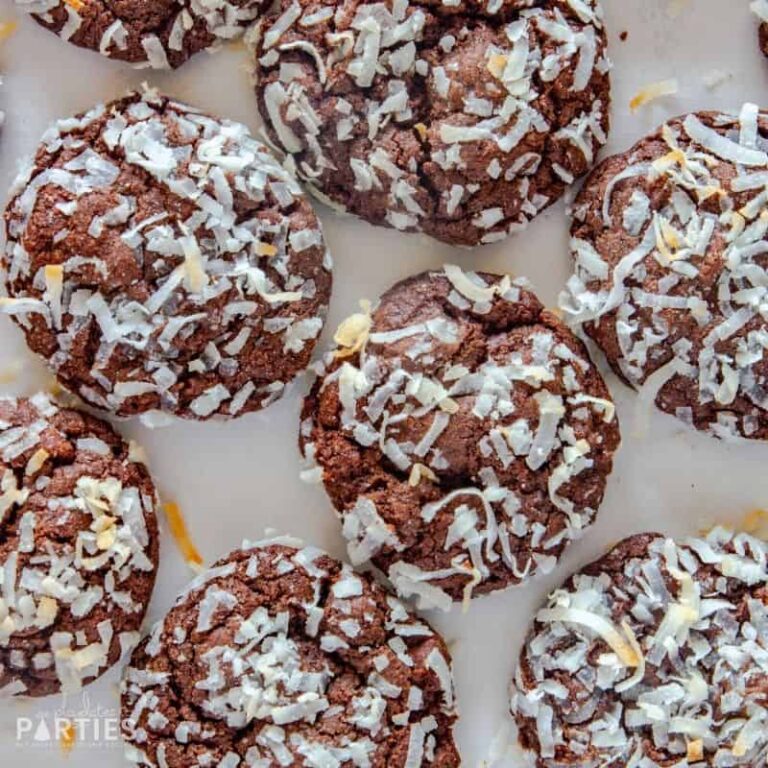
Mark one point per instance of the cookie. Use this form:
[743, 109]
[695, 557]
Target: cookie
[463, 119]
[152, 33]
[160, 259]
[760, 9]
[78, 547]
[652, 656]
[669, 242]
[462, 434]
[281, 656]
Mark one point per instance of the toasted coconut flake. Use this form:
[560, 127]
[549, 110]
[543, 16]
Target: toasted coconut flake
[419, 471]
[11, 372]
[195, 276]
[695, 751]
[652, 92]
[36, 462]
[639, 673]
[265, 249]
[471, 290]
[497, 64]
[68, 736]
[352, 334]
[618, 642]
[469, 589]
[755, 523]
[7, 28]
[179, 531]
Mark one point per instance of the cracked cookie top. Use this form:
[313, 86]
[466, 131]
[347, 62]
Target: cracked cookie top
[462, 433]
[281, 656]
[151, 33]
[459, 119]
[655, 655]
[78, 547]
[669, 241]
[160, 259]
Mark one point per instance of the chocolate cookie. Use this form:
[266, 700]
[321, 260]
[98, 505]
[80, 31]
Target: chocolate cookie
[151, 33]
[652, 656]
[281, 656]
[462, 434]
[78, 547]
[760, 9]
[460, 119]
[159, 258]
[670, 246]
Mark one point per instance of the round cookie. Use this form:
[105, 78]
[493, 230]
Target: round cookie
[78, 547]
[463, 120]
[161, 259]
[152, 33]
[282, 656]
[652, 656]
[462, 434]
[669, 241]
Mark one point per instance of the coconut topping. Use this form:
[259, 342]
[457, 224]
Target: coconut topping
[282, 656]
[653, 91]
[460, 119]
[78, 549]
[161, 259]
[462, 434]
[654, 655]
[155, 33]
[669, 242]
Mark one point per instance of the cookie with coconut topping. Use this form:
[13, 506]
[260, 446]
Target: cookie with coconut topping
[652, 656]
[161, 260]
[78, 547]
[669, 241]
[460, 119]
[281, 656]
[153, 33]
[462, 434]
